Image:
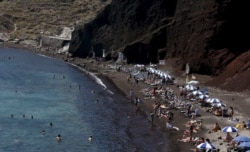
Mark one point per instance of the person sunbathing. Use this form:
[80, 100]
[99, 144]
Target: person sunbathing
[217, 112]
[228, 138]
[216, 127]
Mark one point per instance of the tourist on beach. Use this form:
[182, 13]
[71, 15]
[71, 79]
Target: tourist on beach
[242, 125]
[228, 138]
[168, 125]
[231, 113]
[129, 77]
[156, 108]
[138, 103]
[200, 140]
[191, 130]
[188, 113]
[216, 127]
[136, 81]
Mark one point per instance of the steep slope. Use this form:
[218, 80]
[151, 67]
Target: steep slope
[235, 76]
[138, 28]
[206, 34]
[32, 17]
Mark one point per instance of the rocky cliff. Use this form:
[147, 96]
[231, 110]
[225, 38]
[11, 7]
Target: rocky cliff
[209, 35]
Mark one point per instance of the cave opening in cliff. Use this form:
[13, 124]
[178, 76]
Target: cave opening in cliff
[136, 54]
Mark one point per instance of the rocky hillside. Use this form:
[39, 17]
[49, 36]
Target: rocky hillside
[26, 19]
[209, 35]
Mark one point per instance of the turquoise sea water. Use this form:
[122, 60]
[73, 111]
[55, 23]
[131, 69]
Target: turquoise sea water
[48, 89]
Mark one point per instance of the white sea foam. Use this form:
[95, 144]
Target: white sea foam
[97, 80]
[45, 56]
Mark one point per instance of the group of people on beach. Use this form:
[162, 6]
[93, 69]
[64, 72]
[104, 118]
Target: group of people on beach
[165, 99]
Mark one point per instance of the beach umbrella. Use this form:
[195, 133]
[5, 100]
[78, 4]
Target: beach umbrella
[213, 100]
[197, 92]
[163, 106]
[190, 87]
[244, 145]
[193, 82]
[229, 129]
[219, 104]
[206, 145]
[203, 96]
[241, 139]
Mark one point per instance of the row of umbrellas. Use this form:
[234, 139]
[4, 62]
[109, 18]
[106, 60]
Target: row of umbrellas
[244, 141]
[203, 96]
[160, 73]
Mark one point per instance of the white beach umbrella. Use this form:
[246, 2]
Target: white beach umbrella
[197, 93]
[219, 104]
[163, 106]
[190, 87]
[193, 82]
[206, 146]
[229, 129]
[167, 76]
[213, 100]
[203, 96]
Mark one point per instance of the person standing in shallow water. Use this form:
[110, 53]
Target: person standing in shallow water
[58, 138]
[152, 116]
[131, 94]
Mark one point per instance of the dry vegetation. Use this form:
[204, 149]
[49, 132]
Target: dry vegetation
[32, 17]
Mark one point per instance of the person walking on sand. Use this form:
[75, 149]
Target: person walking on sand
[191, 130]
[136, 81]
[231, 112]
[128, 78]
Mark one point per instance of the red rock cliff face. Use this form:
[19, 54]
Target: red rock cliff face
[206, 34]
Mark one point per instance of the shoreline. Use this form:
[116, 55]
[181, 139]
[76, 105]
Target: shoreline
[116, 82]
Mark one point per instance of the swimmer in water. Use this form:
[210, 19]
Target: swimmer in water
[90, 138]
[43, 132]
[93, 91]
[59, 138]
[97, 100]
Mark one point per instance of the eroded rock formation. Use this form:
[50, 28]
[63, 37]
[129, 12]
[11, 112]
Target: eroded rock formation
[208, 35]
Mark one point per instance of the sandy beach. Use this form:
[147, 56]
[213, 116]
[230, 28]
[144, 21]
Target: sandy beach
[117, 82]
